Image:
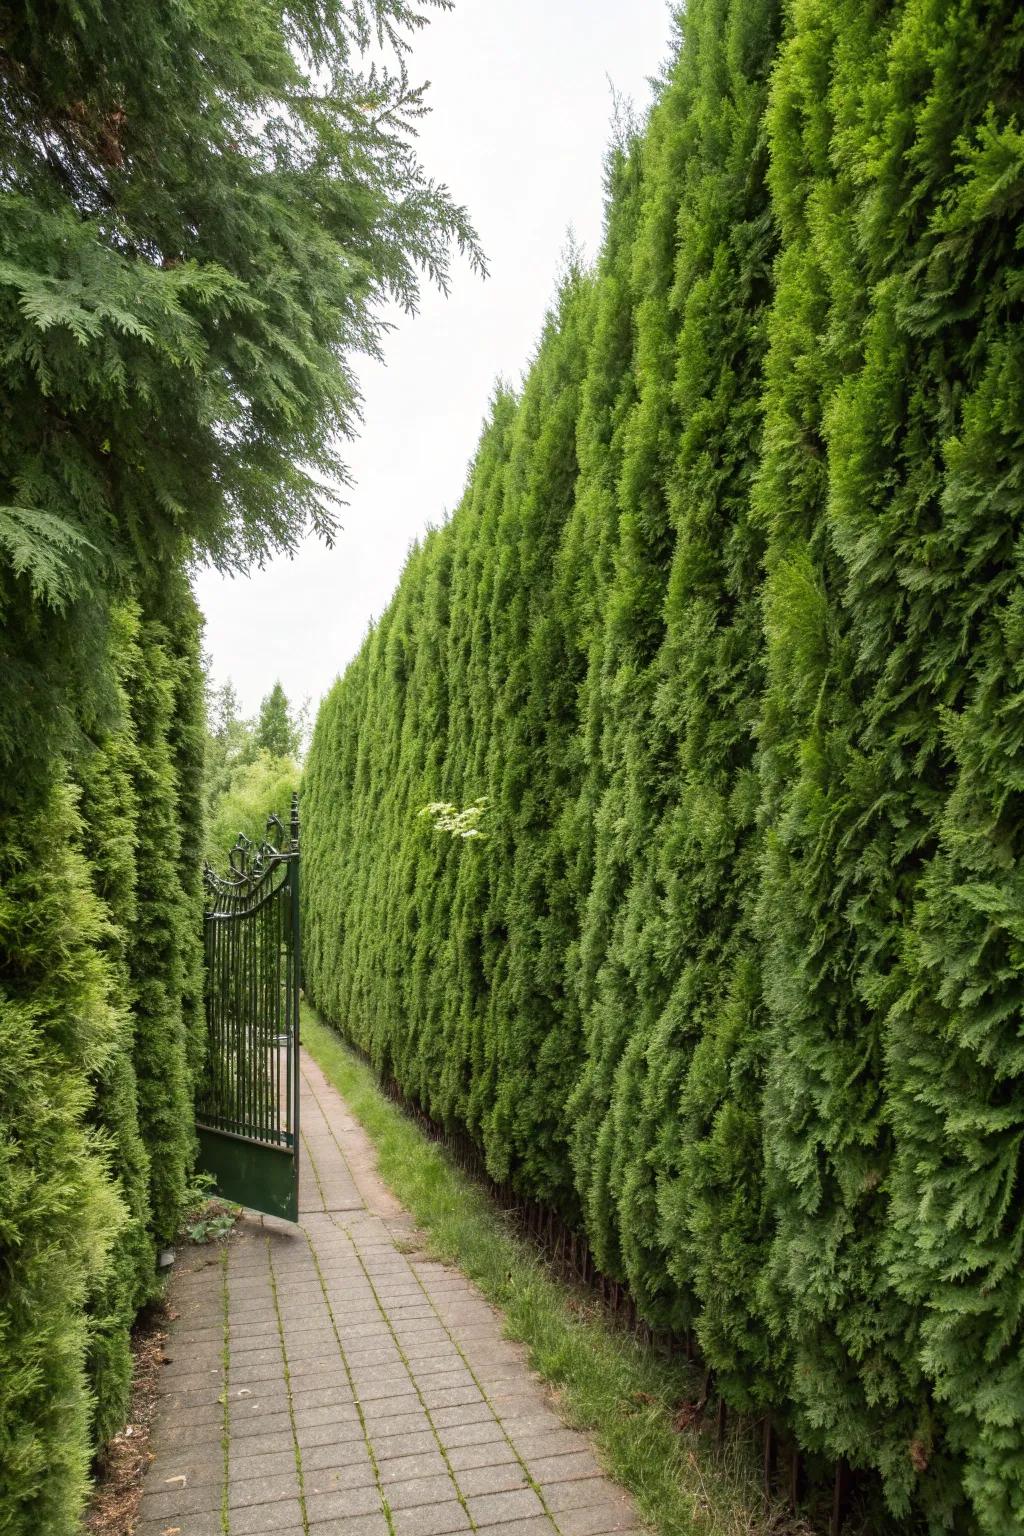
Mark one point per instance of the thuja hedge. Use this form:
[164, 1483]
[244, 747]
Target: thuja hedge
[202, 214]
[99, 1040]
[726, 634]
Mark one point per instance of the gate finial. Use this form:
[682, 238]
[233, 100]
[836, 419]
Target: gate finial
[295, 819]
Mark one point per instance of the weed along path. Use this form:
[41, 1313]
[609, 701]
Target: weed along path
[328, 1378]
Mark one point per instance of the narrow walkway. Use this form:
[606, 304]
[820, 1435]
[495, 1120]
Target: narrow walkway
[358, 1387]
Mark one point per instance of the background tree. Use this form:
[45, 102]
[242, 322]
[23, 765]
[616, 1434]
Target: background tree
[277, 733]
[228, 736]
[252, 766]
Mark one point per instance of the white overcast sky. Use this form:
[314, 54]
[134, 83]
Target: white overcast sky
[521, 111]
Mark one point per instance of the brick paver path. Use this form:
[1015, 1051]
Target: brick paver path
[359, 1388]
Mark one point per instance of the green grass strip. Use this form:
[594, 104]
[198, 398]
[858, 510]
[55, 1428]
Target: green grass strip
[608, 1383]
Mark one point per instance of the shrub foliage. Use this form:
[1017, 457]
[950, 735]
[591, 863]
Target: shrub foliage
[725, 637]
[202, 212]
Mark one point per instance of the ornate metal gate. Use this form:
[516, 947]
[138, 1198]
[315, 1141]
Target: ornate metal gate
[247, 1111]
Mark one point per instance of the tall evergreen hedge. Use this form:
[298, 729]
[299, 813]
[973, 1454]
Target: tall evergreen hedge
[100, 932]
[59, 1211]
[724, 637]
[203, 212]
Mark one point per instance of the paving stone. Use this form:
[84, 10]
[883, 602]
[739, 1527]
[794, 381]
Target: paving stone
[431, 1519]
[308, 1353]
[420, 1490]
[277, 1423]
[192, 1414]
[252, 1393]
[256, 1354]
[186, 1338]
[199, 1365]
[429, 1349]
[583, 1493]
[208, 1524]
[325, 1413]
[359, 1474]
[396, 1424]
[399, 1469]
[488, 1508]
[334, 1453]
[368, 1388]
[243, 1374]
[382, 1392]
[317, 1365]
[563, 1469]
[444, 1381]
[195, 1463]
[533, 1423]
[350, 1525]
[194, 1498]
[280, 1517]
[245, 1336]
[595, 1520]
[365, 1331]
[304, 1397]
[262, 1490]
[350, 1501]
[373, 1355]
[269, 1464]
[524, 1402]
[434, 1366]
[464, 1413]
[260, 1316]
[504, 1478]
[451, 1397]
[346, 1432]
[558, 1442]
[474, 1434]
[247, 1447]
[391, 1447]
[492, 1453]
[533, 1525]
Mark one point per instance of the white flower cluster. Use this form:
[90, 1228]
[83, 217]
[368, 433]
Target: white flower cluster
[445, 817]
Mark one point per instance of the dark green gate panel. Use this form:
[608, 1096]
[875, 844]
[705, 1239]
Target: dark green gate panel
[247, 1105]
[251, 1173]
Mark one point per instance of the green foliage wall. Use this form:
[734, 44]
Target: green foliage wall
[725, 634]
[100, 1014]
[203, 214]
[59, 1209]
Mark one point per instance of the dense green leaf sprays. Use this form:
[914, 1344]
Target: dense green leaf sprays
[100, 1037]
[727, 631]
